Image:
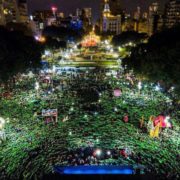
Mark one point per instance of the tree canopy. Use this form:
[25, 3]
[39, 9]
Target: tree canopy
[127, 37]
[18, 53]
[52, 43]
[159, 59]
[63, 33]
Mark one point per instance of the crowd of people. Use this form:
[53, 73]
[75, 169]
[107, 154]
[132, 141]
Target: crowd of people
[88, 89]
[92, 156]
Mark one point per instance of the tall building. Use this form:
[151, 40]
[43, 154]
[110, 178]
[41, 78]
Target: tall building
[43, 15]
[39, 20]
[143, 25]
[87, 12]
[79, 12]
[137, 17]
[115, 6]
[110, 23]
[155, 20]
[23, 11]
[85, 15]
[128, 24]
[137, 14]
[172, 13]
[9, 11]
[2, 15]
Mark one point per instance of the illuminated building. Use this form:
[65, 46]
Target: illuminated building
[85, 16]
[155, 20]
[91, 40]
[110, 23]
[143, 26]
[42, 16]
[115, 6]
[40, 19]
[2, 15]
[172, 13]
[9, 12]
[137, 17]
[23, 11]
[128, 24]
[87, 12]
[60, 14]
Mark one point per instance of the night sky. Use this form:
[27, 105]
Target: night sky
[69, 6]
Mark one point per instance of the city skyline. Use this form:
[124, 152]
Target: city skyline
[69, 6]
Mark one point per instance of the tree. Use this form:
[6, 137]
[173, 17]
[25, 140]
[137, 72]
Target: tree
[54, 43]
[127, 37]
[159, 59]
[18, 53]
[63, 33]
[19, 27]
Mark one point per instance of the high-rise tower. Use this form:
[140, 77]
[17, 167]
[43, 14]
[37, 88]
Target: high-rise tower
[154, 19]
[106, 10]
[2, 15]
[172, 13]
[23, 11]
[115, 6]
[109, 23]
[9, 11]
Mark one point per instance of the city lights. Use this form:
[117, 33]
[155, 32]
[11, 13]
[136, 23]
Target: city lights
[98, 152]
[54, 9]
[89, 88]
[108, 153]
[157, 87]
[139, 85]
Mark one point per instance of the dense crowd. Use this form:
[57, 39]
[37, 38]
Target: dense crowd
[87, 106]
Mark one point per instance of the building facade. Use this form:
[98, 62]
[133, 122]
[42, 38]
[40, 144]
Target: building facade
[23, 11]
[9, 12]
[172, 13]
[2, 15]
[85, 15]
[13, 11]
[115, 6]
[155, 19]
[109, 23]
